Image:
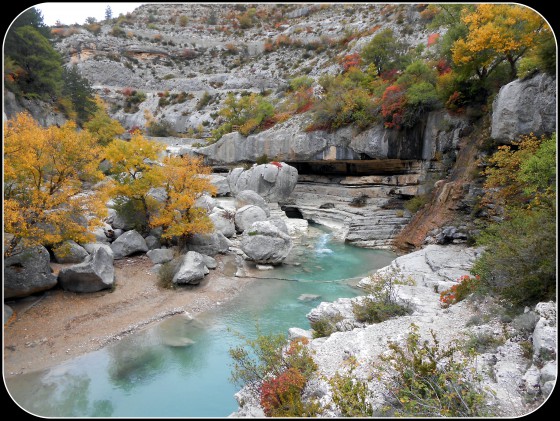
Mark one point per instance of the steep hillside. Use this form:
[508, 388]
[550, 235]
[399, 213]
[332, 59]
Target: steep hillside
[216, 49]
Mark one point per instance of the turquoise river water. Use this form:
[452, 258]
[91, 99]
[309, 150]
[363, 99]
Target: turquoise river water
[147, 375]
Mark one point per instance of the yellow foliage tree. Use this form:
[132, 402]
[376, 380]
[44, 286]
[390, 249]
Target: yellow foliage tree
[44, 174]
[137, 173]
[497, 32]
[184, 181]
[132, 164]
[103, 127]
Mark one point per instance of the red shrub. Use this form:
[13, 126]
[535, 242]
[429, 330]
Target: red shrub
[392, 106]
[128, 91]
[281, 390]
[432, 39]
[351, 60]
[443, 67]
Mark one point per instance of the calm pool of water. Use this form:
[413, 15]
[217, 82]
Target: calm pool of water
[181, 367]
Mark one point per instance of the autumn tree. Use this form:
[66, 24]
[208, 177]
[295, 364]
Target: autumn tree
[44, 174]
[519, 260]
[155, 194]
[247, 112]
[184, 181]
[496, 33]
[132, 164]
[103, 127]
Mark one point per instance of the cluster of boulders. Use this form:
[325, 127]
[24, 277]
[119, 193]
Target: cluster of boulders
[89, 267]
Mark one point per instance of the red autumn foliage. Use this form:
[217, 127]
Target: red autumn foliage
[432, 39]
[281, 390]
[443, 67]
[351, 60]
[392, 106]
[458, 292]
[128, 91]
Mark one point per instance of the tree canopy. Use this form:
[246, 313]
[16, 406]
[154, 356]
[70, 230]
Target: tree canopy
[44, 174]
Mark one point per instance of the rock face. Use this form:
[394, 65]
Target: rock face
[506, 371]
[42, 112]
[28, 272]
[191, 270]
[523, 107]
[94, 274]
[248, 214]
[264, 243]
[70, 252]
[221, 184]
[274, 182]
[288, 142]
[129, 243]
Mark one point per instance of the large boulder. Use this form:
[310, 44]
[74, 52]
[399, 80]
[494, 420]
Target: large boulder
[525, 106]
[28, 272]
[250, 197]
[8, 313]
[94, 274]
[223, 221]
[92, 247]
[247, 215]
[209, 244]
[264, 243]
[206, 202]
[103, 233]
[221, 184]
[130, 242]
[160, 255]
[191, 270]
[274, 182]
[70, 252]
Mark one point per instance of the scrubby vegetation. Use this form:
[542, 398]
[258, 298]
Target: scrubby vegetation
[519, 263]
[277, 372]
[381, 303]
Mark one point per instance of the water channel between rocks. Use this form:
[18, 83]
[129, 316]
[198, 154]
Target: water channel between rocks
[181, 366]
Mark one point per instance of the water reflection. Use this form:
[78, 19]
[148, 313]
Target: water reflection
[56, 389]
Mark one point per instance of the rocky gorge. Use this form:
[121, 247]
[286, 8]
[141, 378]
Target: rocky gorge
[271, 184]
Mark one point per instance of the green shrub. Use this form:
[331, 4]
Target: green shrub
[350, 395]
[381, 304]
[371, 311]
[519, 262]
[325, 326]
[432, 380]
[204, 101]
[166, 273]
[263, 159]
[161, 129]
[416, 203]
[483, 342]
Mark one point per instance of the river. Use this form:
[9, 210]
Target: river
[181, 366]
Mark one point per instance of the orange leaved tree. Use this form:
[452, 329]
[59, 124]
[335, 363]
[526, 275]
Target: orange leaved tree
[138, 171]
[45, 169]
[497, 33]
